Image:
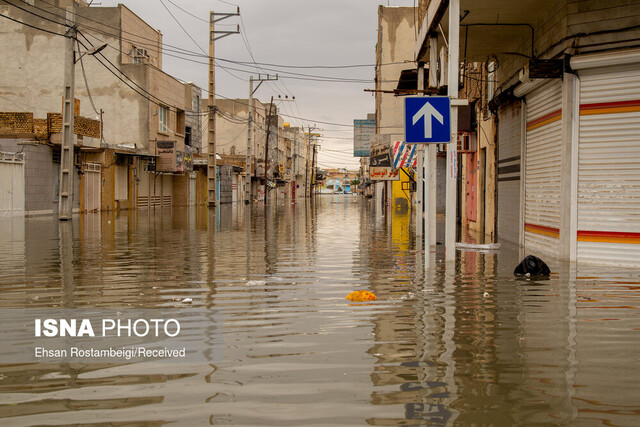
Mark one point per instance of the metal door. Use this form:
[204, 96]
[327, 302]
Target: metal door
[543, 166]
[192, 190]
[609, 166]
[92, 181]
[509, 166]
[11, 184]
[471, 184]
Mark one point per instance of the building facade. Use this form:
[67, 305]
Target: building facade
[148, 121]
[564, 100]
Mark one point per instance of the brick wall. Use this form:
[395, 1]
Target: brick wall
[12, 124]
[82, 125]
[40, 129]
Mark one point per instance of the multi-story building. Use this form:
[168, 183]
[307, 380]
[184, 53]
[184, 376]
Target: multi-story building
[564, 105]
[286, 151]
[149, 127]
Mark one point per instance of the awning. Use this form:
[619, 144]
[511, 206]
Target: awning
[489, 27]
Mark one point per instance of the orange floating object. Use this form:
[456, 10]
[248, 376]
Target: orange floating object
[360, 296]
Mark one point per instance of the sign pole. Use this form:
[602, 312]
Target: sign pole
[420, 173]
[452, 148]
[430, 157]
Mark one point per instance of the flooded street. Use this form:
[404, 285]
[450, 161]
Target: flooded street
[466, 343]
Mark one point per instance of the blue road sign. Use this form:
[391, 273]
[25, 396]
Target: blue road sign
[427, 119]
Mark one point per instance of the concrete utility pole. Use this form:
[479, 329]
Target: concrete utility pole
[211, 152]
[313, 162]
[266, 152]
[313, 169]
[65, 192]
[247, 189]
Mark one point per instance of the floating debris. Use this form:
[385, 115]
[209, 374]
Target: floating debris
[360, 296]
[187, 301]
[532, 266]
[477, 246]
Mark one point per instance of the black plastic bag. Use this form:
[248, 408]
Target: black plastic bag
[533, 266]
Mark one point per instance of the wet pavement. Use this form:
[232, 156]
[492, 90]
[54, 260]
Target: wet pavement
[462, 343]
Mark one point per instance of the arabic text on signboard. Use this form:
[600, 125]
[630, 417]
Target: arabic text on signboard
[383, 174]
[362, 131]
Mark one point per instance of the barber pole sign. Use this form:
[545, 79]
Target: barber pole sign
[404, 155]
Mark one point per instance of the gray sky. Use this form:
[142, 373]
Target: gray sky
[287, 33]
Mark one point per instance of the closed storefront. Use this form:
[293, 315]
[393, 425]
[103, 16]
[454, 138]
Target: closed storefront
[11, 184]
[609, 165]
[92, 183]
[543, 167]
[509, 166]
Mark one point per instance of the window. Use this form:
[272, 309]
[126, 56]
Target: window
[139, 55]
[180, 121]
[491, 68]
[163, 125]
[187, 135]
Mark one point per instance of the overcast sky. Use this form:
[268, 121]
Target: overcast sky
[286, 33]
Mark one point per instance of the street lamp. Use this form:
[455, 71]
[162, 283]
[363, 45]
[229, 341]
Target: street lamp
[91, 52]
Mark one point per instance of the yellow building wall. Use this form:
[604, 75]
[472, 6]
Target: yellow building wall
[401, 199]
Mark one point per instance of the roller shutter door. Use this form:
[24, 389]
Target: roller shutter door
[609, 166]
[543, 167]
[509, 133]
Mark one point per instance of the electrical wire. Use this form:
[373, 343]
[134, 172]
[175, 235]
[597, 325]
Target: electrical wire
[149, 97]
[197, 54]
[86, 83]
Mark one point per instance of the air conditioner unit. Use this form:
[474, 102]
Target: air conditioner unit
[140, 53]
[466, 142]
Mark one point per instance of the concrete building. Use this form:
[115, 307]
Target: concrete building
[286, 160]
[565, 112]
[149, 119]
[476, 152]
[30, 164]
[396, 29]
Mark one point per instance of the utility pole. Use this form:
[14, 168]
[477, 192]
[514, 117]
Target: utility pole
[266, 152]
[211, 152]
[313, 162]
[313, 169]
[247, 189]
[306, 164]
[65, 192]
[294, 164]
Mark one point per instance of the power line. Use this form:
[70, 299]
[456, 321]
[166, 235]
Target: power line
[197, 54]
[183, 29]
[159, 101]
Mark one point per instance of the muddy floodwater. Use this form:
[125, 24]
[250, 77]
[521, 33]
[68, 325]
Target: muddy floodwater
[464, 343]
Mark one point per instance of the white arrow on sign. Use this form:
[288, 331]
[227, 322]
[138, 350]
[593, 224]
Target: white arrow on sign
[427, 111]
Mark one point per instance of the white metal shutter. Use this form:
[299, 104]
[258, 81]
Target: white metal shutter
[543, 167]
[609, 166]
[92, 187]
[122, 182]
[12, 184]
[509, 163]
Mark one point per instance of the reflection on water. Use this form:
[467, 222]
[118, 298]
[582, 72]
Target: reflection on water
[462, 343]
